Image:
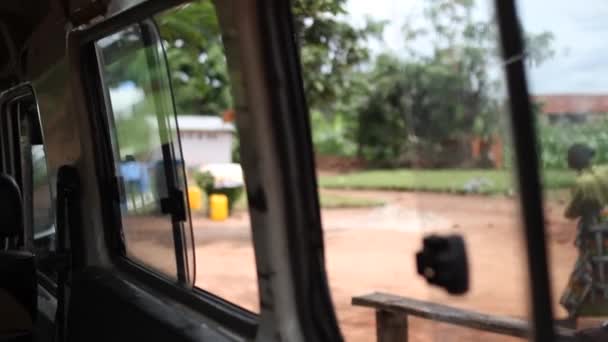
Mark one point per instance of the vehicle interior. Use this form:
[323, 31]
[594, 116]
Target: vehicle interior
[80, 257]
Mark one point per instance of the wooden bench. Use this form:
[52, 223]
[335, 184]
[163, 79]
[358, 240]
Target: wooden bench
[392, 312]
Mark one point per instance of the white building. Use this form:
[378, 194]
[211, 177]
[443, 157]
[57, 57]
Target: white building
[205, 140]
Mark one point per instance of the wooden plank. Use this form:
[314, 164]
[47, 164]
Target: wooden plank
[391, 327]
[442, 313]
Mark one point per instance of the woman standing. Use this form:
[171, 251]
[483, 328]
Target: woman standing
[587, 290]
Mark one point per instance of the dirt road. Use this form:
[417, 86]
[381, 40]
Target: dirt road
[373, 250]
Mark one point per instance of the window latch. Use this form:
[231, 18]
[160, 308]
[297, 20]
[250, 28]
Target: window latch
[174, 205]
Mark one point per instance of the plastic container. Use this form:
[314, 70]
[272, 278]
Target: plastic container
[195, 197]
[218, 207]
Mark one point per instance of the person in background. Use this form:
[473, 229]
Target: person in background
[135, 179]
[587, 291]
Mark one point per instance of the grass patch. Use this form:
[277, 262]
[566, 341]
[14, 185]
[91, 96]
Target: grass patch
[329, 201]
[450, 181]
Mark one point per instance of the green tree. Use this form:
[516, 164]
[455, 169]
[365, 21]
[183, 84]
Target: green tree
[332, 52]
[193, 44]
[335, 57]
[426, 103]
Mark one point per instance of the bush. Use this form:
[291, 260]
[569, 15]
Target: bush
[556, 139]
[424, 112]
[330, 134]
[206, 181]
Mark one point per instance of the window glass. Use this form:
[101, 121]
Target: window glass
[209, 139]
[44, 217]
[408, 114]
[37, 182]
[570, 101]
[146, 154]
[409, 121]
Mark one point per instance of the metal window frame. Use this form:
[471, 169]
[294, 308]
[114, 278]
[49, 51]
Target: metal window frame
[526, 146]
[7, 121]
[149, 37]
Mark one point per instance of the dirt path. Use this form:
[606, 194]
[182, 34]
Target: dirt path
[373, 250]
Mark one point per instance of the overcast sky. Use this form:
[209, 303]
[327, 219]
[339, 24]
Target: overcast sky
[580, 28]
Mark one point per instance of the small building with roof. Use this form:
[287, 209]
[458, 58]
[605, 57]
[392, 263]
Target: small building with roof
[205, 140]
[572, 108]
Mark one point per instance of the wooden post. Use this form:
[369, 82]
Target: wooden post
[391, 327]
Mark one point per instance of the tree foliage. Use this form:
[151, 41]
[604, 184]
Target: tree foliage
[331, 51]
[556, 139]
[197, 63]
[442, 89]
[427, 101]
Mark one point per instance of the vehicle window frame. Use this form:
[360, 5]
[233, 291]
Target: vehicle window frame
[82, 43]
[11, 155]
[525, 142]
[7, 100]
[150, 35]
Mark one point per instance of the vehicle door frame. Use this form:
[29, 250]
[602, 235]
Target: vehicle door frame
[278, 164]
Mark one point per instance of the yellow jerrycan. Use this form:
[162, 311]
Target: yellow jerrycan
[195, 197]
[218, 207]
